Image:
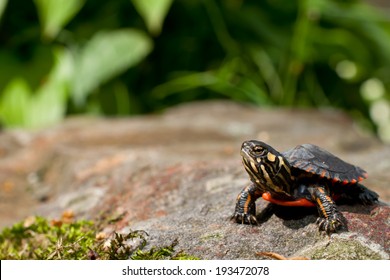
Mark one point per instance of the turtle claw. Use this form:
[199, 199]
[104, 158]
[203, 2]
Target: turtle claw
[330, 224]
[245, 212]
[243, 218]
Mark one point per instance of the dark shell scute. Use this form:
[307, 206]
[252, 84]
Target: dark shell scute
[315, 160]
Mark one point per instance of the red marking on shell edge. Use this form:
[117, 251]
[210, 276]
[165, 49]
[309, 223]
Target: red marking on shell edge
[365, 175]
[309, 169]
[353, 181]
[346, 181]
[361, 178]
[301, 202]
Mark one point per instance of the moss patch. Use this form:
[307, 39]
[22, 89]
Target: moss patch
[212, 236]
[65, 239]
[344, 250]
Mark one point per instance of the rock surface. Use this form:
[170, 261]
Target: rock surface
[176, 176]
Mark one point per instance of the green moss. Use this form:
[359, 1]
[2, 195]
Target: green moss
[167, 252]
[37, 238]
[345, 250]
[210, 236]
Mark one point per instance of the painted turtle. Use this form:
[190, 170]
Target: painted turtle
[304, 176]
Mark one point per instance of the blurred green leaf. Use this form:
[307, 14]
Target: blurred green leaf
[184, 83]
[14, 104]
[153, 13]
[55, 14]
[50, 101]
[368, 23]
[3, 4]
[339, 41]
[106, 55]
[122, 99]
[20, 107]
[227, 81]
[268, 73]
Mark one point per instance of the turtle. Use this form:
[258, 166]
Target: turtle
[305, 176]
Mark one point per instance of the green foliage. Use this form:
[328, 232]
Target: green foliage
[130, 56]
[54, 15]
[153, 12]
[20, 107]
[115, 50]
[37, 238]
[3, 3]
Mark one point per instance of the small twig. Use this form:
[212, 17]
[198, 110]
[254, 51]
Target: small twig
[277, 256]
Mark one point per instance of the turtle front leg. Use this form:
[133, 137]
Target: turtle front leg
[245, 212]
[330, 218]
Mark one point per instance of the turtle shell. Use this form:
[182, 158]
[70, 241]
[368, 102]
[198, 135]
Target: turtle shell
[315, 160]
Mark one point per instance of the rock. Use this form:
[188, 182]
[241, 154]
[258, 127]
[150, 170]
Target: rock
[177, 175]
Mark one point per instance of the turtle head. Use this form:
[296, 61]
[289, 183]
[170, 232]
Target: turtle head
[267, 168]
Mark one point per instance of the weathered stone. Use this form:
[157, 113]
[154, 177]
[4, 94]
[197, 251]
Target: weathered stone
[176, 176]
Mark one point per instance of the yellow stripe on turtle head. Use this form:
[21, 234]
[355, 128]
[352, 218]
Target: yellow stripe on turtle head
[254, 167]
[271, 157]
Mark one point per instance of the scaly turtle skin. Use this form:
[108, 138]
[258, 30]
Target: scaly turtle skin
[304, 176]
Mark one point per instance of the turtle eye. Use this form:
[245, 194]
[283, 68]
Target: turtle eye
[259, 150]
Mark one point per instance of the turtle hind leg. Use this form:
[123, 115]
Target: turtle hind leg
[330, 219]
[245, 212]
[360, 194]
[367, 196]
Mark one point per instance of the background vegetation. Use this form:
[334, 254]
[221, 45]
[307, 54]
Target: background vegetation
[123, 57]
